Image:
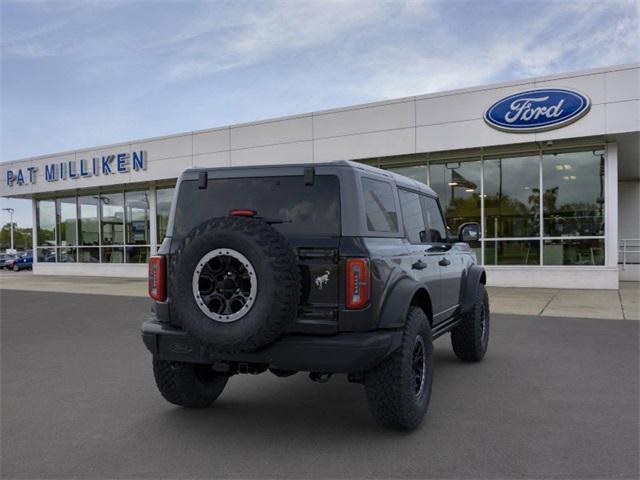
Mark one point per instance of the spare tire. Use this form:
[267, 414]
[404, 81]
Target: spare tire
[236, 283]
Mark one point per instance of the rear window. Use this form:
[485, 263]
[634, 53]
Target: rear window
[304, 209]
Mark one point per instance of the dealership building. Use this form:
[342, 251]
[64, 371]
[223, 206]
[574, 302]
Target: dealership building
[549, 166]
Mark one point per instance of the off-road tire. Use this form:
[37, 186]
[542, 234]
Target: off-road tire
[188, 384]
[469, 338]
[390, 386]
[278, 280]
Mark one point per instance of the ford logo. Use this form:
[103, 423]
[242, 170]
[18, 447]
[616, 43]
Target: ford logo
[537, 110]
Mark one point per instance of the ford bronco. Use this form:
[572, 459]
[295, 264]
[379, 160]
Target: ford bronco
[328, 268]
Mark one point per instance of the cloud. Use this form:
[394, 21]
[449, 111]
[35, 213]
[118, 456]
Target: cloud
[563, 37]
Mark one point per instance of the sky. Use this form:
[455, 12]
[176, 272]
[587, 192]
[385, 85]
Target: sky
[87, 73]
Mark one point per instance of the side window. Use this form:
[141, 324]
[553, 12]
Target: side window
[437, 232]
[412, 216]
[380, 206]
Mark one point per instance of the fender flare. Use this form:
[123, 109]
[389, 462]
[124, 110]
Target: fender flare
[475, 276]
[395, 308]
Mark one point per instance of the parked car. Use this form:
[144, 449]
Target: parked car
[4, 258]
[22, 262]
[332, 268]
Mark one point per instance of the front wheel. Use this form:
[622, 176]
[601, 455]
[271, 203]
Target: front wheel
[470, 338]
[188, 384]
[399, 388]
[16, 268]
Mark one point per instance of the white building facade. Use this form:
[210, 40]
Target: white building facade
[550, 167]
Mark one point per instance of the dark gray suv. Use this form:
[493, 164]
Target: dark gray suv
[328, 268]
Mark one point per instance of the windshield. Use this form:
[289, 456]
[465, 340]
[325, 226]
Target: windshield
[303, 210]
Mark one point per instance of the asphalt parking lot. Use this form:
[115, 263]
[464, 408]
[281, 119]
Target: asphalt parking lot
[555, 398]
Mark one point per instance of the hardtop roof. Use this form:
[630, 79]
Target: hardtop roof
[399, 180]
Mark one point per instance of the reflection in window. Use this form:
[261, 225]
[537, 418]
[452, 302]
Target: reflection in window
[88, 220]
[46, 255]
[163, 208]
[137, 254]
[66, 255]
[433, 219]
[111, 255]
[458, 187]
[512, 252]
[137, 215]
[379, 206]
[67, 219]
[412, 216]
[89, 255]
[46, 218]
[112, 218]
[512, 197]
[573, 251]
[573, 198]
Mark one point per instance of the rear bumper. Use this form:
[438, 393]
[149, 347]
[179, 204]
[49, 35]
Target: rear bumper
[339, 353]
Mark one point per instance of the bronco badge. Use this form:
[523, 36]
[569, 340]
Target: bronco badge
[322, 280]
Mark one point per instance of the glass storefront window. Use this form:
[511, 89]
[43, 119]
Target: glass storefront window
[111, 255]
[163, 208]
[46, 218]
[89, 255]
[137, 254]
[112, 218]
[88, 228]
[573, 198]
[574, 251]
[137, 216]
[46, 255]
[66, 255]
[458, 187]
[67, 221]
[512, 252]
[512, 197]
[417, 172]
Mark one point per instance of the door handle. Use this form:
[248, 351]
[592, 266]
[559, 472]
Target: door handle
[419, 265]
[444, 262]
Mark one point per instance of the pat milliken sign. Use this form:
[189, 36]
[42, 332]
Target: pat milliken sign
[537, 110]
[116, 164]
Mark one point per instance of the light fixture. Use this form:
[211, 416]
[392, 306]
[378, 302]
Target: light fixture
[572, 177]
[469, 190]
[567, 166]
[453, 184]
[559, 167]
[566, 177]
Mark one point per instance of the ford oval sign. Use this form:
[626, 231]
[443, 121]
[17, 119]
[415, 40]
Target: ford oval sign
[537, 110]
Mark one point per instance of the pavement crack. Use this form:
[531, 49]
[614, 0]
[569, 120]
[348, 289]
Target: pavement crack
[547, 304]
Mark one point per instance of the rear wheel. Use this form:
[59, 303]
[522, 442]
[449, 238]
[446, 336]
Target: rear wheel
[470, 338]
[399, 389]
[188, 384]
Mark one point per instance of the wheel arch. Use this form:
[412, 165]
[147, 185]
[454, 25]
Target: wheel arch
[406, 293]
[475, 276]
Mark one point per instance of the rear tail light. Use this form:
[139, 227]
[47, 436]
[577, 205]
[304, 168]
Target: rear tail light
[157, 278]
[358, 282]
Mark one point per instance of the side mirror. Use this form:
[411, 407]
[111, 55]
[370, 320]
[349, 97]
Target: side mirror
[469, 232]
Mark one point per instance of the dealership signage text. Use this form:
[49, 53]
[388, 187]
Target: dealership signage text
[537, 110]
[83, 168]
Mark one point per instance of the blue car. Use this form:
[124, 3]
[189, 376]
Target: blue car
[23, 262]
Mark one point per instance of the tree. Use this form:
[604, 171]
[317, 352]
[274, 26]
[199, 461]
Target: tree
[22, 237]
